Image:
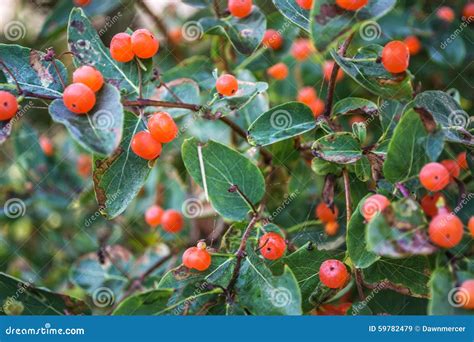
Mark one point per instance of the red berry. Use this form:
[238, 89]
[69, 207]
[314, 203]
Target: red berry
[445, 229]
[272, 39]
[305, 4]
[446, 13]
[197, 257]
[351, 5]
[227, 85]
[89, 76]
[307, 95]
[46, 145]
[470, 225]
[301, 49]
[162, 127]
[272, 246]
[468, 11]
[84, 165]
[466, 294]
[172, 221]
[396, 57]
[327, 71]
[145, 146]
[240, 8]
[121, 48]
[331, 228]
[434, 177]
[326, 214]
[278, 71]
[176, 35]
[462, 160]
[374, 205]
[452, 167]
[356, 119]
[429, 204]
[144, 44]
[317, 107]
[82, 3]
[333, 274]
[8, 106]
[413, 44]
[79, 98]
[153, 215]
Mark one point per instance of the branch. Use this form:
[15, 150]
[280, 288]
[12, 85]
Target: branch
[347, 190]
[156, 103]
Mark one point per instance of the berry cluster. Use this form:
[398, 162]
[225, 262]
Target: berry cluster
[328, 216]
[170, 220]
[125, 47]
[309, 97]
[79, 97]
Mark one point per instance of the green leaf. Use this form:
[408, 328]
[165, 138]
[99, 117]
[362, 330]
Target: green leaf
[363, 169]
[197, 68]
[365, 69]
[330, 23]
[245, 34]
[119, 178]
[34, 74]
[399, 231]
[99, 131]
[339, 148]
[89, 50]
[406, 154]
[280, 123]
[443, 49]
[446, 113]
[357, 250]
[409, 275]
[313, 231]
[217, 168]
[145, 303]
[354, 105]
[293, 12]
[23, 298]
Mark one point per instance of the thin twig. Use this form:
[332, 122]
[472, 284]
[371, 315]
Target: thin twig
[347, 190]
[156, 103]
[7, 69]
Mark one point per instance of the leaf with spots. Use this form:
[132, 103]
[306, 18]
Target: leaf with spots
[339, 148]
[293, 12]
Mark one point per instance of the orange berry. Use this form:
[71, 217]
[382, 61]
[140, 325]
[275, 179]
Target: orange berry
[446, 13]
[272, 246]
[462, 160]
[8, 105]
[307, 95]
[356, 119]
[470, 225]
[197, 257]
[466, 293]
[153, 215]
[272, 39]
[89, 76]
[240, 8]
[172, 221]
[452, 167]
[413, 44]
[46, 145]
[429, 204]
[145, 146]
[317, 107]
[374, 205]
[468, 11]
[84, 165]
[331, 228]
[227, 85]
[162, 127]
[79, 98]
[351, 5]
[326, 214]
[176, 35]
[144, 44]
[82, 3]
[121, 48]
[305, 4]
[327, 71]
[301, 49]
[434, 177]
[278, 71]
[445, 230]
[333, 274]
[396, 57]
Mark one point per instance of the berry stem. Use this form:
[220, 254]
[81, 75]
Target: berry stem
[7, 69]
[347, 190]
[235, 188]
